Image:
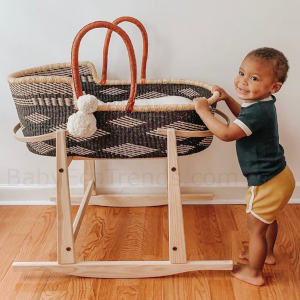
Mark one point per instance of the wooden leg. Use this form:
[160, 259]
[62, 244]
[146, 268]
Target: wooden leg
[177, 249]
[167, 175]
[90, 175]
[65, 238]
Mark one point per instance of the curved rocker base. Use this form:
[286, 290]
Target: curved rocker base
[123, 269]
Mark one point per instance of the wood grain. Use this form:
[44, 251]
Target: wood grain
[177, 248]
[65, 238]
[12, 282]
[212, 232]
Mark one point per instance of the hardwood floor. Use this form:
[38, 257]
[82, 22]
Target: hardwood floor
[28, 233]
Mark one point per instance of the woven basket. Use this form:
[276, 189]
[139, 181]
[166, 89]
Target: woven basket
[46, 96]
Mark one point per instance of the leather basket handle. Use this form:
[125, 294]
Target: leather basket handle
[145, 47]
[132, 60]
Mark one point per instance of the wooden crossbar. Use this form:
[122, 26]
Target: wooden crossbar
[82, 209]
[138, 200]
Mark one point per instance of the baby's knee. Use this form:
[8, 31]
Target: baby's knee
[258, 229]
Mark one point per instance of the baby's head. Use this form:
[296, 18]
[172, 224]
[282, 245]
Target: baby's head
[262, 73]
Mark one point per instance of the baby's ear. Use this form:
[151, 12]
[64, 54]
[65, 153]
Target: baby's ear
[276, 87]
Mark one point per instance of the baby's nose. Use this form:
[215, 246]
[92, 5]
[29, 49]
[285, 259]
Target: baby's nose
[243, 81]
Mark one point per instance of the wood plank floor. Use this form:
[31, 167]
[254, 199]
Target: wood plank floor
[28, 233]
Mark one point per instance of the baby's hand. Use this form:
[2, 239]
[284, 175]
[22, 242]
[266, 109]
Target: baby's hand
[201, 105]
[223, 95]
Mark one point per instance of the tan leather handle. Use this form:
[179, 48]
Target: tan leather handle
[145, 46]
[75, 63]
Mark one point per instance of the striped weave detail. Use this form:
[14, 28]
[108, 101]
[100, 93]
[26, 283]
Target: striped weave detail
[61, 126]
[41, 147]
[189, 92]
[97, 134]
[154, 133]
[113, 91]
[37, 118]
[83, 70]
[181, 149]
[80, 151]
[206, 141]
[151, 95]
[41, 88]
[88, 78]
[127, 122]
[179, 126]
[25, 102]
[130, 150]
[186, 126]
[44, 101]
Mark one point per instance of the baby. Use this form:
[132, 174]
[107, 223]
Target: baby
[261, 157]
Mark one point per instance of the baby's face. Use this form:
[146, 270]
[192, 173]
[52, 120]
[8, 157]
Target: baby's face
[255, 80]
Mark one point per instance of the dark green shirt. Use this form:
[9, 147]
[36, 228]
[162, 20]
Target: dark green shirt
[260, 155]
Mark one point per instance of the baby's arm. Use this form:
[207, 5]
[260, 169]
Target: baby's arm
[234, 106]
[224, 132]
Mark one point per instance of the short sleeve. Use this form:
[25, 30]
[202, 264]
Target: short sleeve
[250, 119]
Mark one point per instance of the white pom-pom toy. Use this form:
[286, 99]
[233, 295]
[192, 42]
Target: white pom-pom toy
[83, 123]
[87, 104]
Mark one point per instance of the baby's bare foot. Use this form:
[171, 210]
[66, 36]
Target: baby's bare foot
[244, 254]
[270, 259]
[244, 273]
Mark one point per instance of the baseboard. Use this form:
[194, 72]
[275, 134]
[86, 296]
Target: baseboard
[40, 194]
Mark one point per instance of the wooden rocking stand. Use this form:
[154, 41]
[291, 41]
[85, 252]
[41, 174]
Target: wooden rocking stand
[67, 232]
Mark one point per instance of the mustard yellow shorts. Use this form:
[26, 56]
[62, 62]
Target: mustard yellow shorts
[266, 200]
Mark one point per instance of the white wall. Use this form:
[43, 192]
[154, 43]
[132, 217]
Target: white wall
[203, 40]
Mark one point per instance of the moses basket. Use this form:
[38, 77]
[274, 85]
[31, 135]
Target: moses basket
[46, 96]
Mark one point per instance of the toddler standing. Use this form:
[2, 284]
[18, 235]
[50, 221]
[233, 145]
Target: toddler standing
[261, 157]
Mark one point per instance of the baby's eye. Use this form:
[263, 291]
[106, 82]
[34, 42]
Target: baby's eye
[254, 78]
[241, 73]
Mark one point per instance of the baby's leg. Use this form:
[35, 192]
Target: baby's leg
[271, 238]
[258, 248]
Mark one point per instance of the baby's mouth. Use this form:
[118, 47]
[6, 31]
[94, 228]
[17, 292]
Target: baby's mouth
[242, 91]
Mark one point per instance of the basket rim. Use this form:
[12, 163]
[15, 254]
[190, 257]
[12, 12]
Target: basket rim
[18, 78]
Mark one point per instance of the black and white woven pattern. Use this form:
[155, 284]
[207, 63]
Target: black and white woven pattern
[45, 108]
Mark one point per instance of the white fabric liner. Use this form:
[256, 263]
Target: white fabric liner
[168, 100]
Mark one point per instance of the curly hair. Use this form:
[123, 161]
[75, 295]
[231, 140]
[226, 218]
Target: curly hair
[280, 64]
